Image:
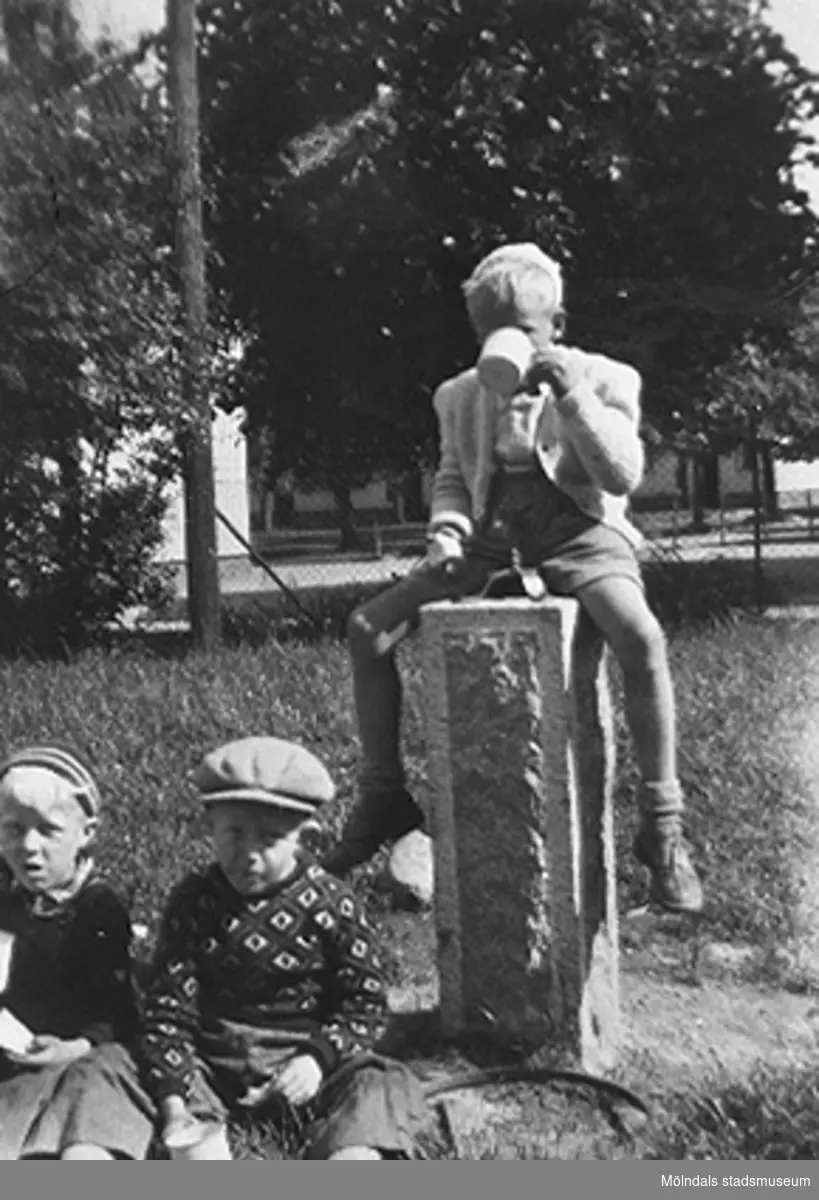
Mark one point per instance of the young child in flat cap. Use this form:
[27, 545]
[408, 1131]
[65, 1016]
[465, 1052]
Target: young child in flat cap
[64, 950]
[267, 986]
[539, 477]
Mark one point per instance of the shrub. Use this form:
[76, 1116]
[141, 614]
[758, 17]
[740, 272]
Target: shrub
[63, 592]
[694, 593]
[321, 612]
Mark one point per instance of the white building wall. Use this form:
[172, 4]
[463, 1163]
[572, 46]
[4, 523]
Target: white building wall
[797, 476]
[231, 486]
[660, 480]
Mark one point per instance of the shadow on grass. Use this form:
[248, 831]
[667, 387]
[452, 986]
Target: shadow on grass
[417, 1037]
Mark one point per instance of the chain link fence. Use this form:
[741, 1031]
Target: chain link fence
[734, 531]
[739, 529]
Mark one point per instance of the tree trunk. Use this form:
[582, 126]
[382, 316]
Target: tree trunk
[72, 578]
[349, 539]
[770, 499]
[696, 494]
[284, 507]
[398, 503]
[196, 436]
[681, 475]
[412, 489]
[6, 603]
[69, 531]
[710, 470]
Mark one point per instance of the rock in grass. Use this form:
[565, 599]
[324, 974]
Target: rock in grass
[409, 873]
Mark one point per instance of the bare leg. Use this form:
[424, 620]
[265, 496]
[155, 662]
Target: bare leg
[619, 610]
[356, 1154]
[214, 1147]
[85, 1152]
[181, 1129]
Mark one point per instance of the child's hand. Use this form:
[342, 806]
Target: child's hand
[258, 1094]
[48, 1051]
[444, 546]
[562, 369]
[299, 1080]
[182, 1131]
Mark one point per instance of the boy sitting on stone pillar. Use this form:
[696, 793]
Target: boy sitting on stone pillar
[542, 478]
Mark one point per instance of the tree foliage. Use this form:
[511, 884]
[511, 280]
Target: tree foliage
[88, 321]
[775, 386]
[363, 155]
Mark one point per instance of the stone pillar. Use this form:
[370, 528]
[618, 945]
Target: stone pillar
[521, 761]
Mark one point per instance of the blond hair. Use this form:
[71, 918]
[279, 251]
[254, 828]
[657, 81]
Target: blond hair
[502, 276]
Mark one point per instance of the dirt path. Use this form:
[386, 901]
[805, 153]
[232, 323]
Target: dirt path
[683, 1034]
[692, 1037]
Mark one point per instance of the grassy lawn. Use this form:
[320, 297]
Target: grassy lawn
[748, 697]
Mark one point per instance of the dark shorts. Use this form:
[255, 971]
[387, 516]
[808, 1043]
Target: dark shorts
[369, 1101]
[528, 516]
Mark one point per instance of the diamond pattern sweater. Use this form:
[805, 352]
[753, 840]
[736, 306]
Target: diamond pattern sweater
[299, 965]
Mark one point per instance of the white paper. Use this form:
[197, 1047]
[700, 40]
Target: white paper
[14, 1035]
[6, 948]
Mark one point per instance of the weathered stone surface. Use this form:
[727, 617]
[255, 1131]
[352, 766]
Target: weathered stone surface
[409, 874]
[521, 765]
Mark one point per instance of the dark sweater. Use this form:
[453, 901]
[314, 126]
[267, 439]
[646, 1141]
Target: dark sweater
[298, 966]
[70, 968]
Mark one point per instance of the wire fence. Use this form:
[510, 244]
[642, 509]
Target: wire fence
[738, 530]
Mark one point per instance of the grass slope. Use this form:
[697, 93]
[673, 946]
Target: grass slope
[748, 700]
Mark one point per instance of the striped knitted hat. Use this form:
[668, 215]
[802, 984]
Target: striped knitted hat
[65, 766]
[266, 770]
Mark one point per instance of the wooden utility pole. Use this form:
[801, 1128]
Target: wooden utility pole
[753, 448]
[196, 438]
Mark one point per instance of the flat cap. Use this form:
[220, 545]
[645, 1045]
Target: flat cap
[266, 770]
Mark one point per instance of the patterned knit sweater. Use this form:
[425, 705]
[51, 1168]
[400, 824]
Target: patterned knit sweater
[296, 968]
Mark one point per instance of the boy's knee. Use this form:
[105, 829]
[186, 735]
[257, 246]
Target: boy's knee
[356, 1154]
[214, 1147]
[642, 643]
[359, 631]
[85, 1152]
[365, 641]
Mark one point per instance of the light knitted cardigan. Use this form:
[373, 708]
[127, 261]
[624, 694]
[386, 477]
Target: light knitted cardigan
[591, 449]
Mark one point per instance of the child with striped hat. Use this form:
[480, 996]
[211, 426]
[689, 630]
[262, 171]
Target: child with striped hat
[65, 980]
